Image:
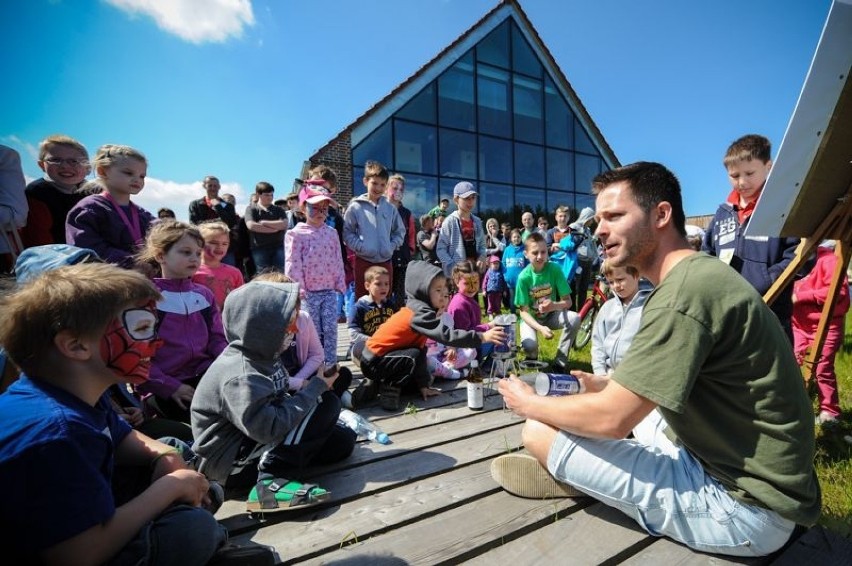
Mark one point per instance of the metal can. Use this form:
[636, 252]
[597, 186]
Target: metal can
[557, 384]
[507, 323]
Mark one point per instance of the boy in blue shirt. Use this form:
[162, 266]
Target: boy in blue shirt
[75, 332]
[371, 310]
[543, 298]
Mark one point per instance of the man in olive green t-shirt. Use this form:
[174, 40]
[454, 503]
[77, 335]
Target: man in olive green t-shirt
[714, 361]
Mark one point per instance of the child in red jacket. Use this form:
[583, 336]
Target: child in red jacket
[809, 295]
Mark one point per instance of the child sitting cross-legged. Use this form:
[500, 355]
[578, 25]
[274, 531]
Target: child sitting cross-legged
[76, 331]
[245, 420]
[371, 310]
[395, 355]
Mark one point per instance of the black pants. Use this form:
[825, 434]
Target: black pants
[401, 368]
[168, 408]
[317, 440]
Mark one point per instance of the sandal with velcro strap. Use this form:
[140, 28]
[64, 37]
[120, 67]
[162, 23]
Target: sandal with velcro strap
[270, 495]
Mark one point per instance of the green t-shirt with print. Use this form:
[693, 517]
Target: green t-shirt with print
[715, 359]
[532, 287]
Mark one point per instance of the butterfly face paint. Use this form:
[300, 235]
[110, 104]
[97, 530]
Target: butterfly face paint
[469, 284]
[130, 342]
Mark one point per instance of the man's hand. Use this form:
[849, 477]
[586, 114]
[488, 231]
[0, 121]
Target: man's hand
[515, 394]
[593, 383]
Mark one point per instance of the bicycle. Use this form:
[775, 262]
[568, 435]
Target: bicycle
[589, 310]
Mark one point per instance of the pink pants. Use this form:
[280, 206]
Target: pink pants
[826, 379]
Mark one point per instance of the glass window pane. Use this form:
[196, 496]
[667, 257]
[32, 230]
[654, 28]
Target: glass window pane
[587, 168]
[558, 198]
[416, 148]
[495, 201]
[421, 108]
[560, 119]
[446, 190]
[582, 141]
[529, 125]
[455, 96]
[560, 170]
[494, 49]
[457, 152]
[421, 194]
[495, 160]
[583, 201]
[524, 59]
[532, 200]
[529, 165]
[494, 103]
[377, 146]
[358, 187]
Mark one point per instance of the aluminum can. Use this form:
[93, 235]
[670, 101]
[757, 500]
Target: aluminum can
[557, 384]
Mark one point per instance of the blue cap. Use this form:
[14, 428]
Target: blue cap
[36, 260]
[383, 438]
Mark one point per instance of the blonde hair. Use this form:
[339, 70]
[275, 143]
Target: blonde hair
[110, 154]
[374, 273]
[60, 139]
[81, 299]
[273, 277]
[607, 269]
[162, 236]
[213, 228]
[397, 177]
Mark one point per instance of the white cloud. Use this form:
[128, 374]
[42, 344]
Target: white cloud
[160, 193]
[23, 148]
[196, 21]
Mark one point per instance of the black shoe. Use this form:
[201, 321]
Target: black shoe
[389, 399]
[251, 555]
[366, 391]
[558, 367]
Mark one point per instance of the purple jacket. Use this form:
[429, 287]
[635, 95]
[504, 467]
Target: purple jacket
[191, 329]
[93, 223]
[466, 313]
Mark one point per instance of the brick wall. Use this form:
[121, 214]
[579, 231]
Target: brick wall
[338, 155]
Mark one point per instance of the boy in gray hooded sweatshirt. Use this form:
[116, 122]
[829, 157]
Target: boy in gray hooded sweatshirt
[243, 416]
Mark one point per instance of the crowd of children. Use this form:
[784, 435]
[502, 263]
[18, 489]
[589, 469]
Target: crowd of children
[253, 367]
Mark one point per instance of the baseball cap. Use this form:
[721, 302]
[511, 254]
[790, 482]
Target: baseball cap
[36, 260]
[493, 258]
[312, 194]
[464, 190]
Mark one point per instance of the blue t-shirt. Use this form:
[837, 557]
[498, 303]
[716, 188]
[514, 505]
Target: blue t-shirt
[56, 464]
[513, 262]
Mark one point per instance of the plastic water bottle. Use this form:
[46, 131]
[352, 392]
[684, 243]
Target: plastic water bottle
[362, 426]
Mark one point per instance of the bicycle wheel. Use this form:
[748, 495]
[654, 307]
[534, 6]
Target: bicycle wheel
[584, 333]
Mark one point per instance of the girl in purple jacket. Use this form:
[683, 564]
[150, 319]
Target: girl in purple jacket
[190, 324]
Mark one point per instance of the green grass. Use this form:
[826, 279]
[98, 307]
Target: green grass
[833, 460]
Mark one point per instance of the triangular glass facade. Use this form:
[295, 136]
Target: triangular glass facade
[495, 118]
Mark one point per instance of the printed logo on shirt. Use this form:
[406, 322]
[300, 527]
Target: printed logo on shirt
[539, 293]
[726, 231]
[374, 318]
[280, 378]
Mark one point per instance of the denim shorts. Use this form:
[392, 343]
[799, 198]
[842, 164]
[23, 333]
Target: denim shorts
[666, 490]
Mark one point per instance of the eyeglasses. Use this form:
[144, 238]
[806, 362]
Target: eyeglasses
[70, 162]
[141, 324]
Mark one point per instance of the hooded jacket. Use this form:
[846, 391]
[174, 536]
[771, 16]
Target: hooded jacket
[372, 231]
[418, 321]
[244, 392]
[615, 326]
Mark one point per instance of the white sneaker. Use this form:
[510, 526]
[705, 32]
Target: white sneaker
[824, 418]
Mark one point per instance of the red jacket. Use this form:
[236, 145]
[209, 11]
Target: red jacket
[811, 291]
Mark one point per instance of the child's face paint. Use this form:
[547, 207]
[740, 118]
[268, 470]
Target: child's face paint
[130, 342]
[469, 284]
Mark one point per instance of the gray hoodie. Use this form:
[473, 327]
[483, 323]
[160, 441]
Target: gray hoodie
[244, 392]
[372, 231]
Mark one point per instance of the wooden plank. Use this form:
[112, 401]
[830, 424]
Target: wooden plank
[455, 535]
[589, 536]
[417, 459]
[666, 552]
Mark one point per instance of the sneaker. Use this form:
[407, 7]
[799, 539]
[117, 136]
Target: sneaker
[389, 397]
[826, 419]
[522, 475]
[366, 391]
[217, 496]
[249, 555]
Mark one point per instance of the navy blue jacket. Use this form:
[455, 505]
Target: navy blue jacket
[759, 259]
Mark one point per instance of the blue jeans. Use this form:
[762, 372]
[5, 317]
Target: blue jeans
[181, 536]
[666, 490]
[270, 258]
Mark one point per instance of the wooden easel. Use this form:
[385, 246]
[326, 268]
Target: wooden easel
[836, 226]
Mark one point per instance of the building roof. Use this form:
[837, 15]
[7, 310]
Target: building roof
[405, 91]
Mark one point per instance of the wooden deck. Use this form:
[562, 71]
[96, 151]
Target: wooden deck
[428, 498]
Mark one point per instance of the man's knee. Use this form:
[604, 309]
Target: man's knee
[538, 438]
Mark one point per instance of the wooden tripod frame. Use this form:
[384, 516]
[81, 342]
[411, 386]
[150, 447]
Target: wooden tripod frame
[836, 226]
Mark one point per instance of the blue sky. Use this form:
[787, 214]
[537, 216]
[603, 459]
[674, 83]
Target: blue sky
[248, 89]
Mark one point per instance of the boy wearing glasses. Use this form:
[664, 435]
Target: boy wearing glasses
[75, 332]
[65, 163]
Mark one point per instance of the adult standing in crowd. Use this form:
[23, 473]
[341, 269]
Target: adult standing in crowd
[13, 200]
[213, 207]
